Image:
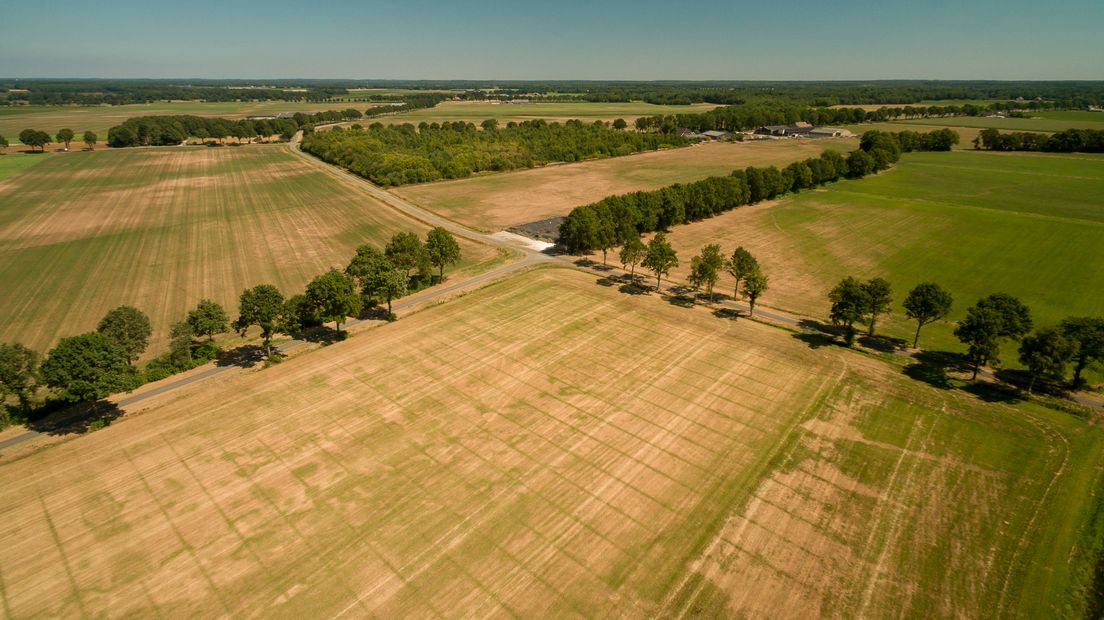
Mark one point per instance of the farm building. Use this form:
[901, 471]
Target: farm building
[717, 135]
[829, 132]
[784, 130]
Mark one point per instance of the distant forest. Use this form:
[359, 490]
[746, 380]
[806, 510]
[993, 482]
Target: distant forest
[400, 154]
[1066, 94]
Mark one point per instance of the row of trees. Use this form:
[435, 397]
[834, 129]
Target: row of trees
[92, 365]
[1068, 141]
[400, 154]
[174, 130]
[35, 138]
[1047, 353]
[615, 219]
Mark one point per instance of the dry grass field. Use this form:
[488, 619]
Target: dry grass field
[83, 232]
[547, 447]
[474, 111]
[495, 201]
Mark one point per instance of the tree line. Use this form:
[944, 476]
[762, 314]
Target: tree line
[614, 220]
[35, 138]
[1047, 353]
[400, 154]
[1068, 141]
[92, 365]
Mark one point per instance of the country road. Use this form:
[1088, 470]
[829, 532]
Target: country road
[531, 257]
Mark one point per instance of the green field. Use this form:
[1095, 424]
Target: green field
[11, 163]
[566, 451]
[99, 119]
[474, 112]
[83, 232]
[1027, 224]
[1039, 121]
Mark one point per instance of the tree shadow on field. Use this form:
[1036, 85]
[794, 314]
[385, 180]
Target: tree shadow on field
[245, 356]
[727, 313]
[884, 344]
[680, 300]
[606, 281]
[817, 334]
[635, 288]
[994, 392]
[77, 419]
[1022, 379]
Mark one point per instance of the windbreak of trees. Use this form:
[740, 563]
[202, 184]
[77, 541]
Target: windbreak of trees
[1068, 141]
[614, 220]
[400, 154]
[173, 130]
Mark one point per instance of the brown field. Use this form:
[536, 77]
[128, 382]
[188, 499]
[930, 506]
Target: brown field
[159, 229]
[566, 450]
[496, 201]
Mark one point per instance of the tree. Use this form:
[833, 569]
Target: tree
[263, 306]
[632, 252]
[389, 282]
[849, 306]
[1046, 353]
[754, 286]
[406, 252]
[34, 138]
[1088, 334]
[442, 249]
[926, 303]
[207, 319]
[3, 144]
[65, 136]
[334, 297]
[489, 125]
[606, 236]
[90, 139]
[879, 296]
[18, 366]
[859, 164]
[660, 258]
[707, 268]
[739, 266]
[129, 328]
[87, 367]
[365, 263]
[1015, 317]
[619, 124]
[980, 332]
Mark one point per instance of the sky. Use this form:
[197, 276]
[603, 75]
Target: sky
[561, 39]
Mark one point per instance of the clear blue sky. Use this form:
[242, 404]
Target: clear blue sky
[555, 39]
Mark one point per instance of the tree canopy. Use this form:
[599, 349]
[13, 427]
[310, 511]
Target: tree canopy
[927, 302]
[88, 367]
[442, 249]
[129, 328]
[333, 296]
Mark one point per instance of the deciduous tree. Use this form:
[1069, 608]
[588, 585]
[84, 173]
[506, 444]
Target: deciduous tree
[406, 252]
[18, 368]
[129, 328]
[87, 367]
[1088, 334]
[1046, 353]
[879, 297]
[334, 297]
[263, 306]
[980, 332]
[389, 282]
[65, 136]
[755, 285]
[442, 249]
[90, 139]
[660, 258]
[926, 303]
[632, 252]
[207, 319]
[739, 266]
[849, 306]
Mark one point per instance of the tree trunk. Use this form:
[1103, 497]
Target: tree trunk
[659, 281]
[1081, 363]
[268, 346]
[916, 339]
[976, 366]
[389, 304]
[1031, 384]
[604, 250]
[751, 307]
[870, 330]
[441, 278]
[736, 291]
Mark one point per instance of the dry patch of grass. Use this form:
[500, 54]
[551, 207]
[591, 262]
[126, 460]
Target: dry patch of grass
[550, 447]
[160, 229]
[496, 201]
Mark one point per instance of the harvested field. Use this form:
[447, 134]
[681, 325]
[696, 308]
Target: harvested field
[496, 201]
[566, 451]
[977, 223]
[159, 229]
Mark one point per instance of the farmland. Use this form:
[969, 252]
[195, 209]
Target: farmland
[450, 111]
[100, 118]
[1039, 121]
[1025, 224]
[494, 202]
[159, 229]
[561, 456]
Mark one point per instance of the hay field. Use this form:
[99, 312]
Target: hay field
[583, 110]
[1040, 121]
[99, 119]
[548, 447]
[1026, 224]
[496, 201]
[83, 232]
